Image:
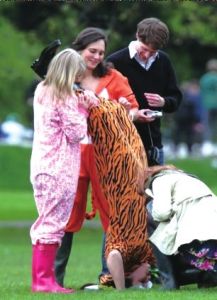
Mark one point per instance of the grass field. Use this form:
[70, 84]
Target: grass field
[83, 267]
[17, 204]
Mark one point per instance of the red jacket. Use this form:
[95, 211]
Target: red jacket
[117, 86]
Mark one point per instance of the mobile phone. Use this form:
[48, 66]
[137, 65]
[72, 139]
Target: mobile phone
[154, 113]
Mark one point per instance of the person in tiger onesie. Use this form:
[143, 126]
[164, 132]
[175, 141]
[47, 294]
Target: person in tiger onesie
[106, 82]
[120, 160]
[110, 84]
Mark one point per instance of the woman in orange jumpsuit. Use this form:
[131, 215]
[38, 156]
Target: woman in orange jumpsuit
[110, 84]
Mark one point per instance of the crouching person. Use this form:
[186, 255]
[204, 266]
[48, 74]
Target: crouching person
[182, 227]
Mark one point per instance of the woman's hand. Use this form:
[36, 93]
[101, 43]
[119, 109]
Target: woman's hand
[123, 101]
[87, 99]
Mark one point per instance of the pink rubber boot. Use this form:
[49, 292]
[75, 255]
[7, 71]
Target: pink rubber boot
[43, 278]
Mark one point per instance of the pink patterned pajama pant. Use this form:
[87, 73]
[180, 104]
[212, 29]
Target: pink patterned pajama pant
[54, 201]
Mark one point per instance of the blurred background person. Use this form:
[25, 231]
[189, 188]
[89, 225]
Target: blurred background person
[14, 132]
[208, 86]
[188, 120]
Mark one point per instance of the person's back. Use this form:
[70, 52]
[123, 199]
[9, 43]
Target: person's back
[55, 141]
[189, 118]
[60, 118]
[180, 202]
[208, 85]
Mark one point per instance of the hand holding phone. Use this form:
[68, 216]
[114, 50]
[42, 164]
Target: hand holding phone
[153, 113]
[147, 115]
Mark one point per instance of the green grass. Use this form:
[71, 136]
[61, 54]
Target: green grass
[14, 168]
[83, 267]
[200, 167]
[17, 204]
[16, 196]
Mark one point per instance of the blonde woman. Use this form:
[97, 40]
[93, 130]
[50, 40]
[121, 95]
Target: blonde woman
[60, 118]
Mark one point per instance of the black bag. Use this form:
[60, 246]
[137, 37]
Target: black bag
[40, 65]
[153, 156]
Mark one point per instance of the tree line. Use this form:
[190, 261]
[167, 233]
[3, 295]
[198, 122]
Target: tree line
[26, 27]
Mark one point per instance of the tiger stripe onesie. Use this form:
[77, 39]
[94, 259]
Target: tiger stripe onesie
[120, 158]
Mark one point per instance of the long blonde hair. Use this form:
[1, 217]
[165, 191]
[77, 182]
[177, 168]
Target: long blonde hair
[62, 72]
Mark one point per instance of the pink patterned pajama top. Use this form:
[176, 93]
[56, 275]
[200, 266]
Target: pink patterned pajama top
[55, 162]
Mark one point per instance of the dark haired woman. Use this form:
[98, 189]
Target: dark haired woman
[110, 84]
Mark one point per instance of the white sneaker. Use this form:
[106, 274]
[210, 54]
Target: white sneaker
[147, 285]
[93, 287]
